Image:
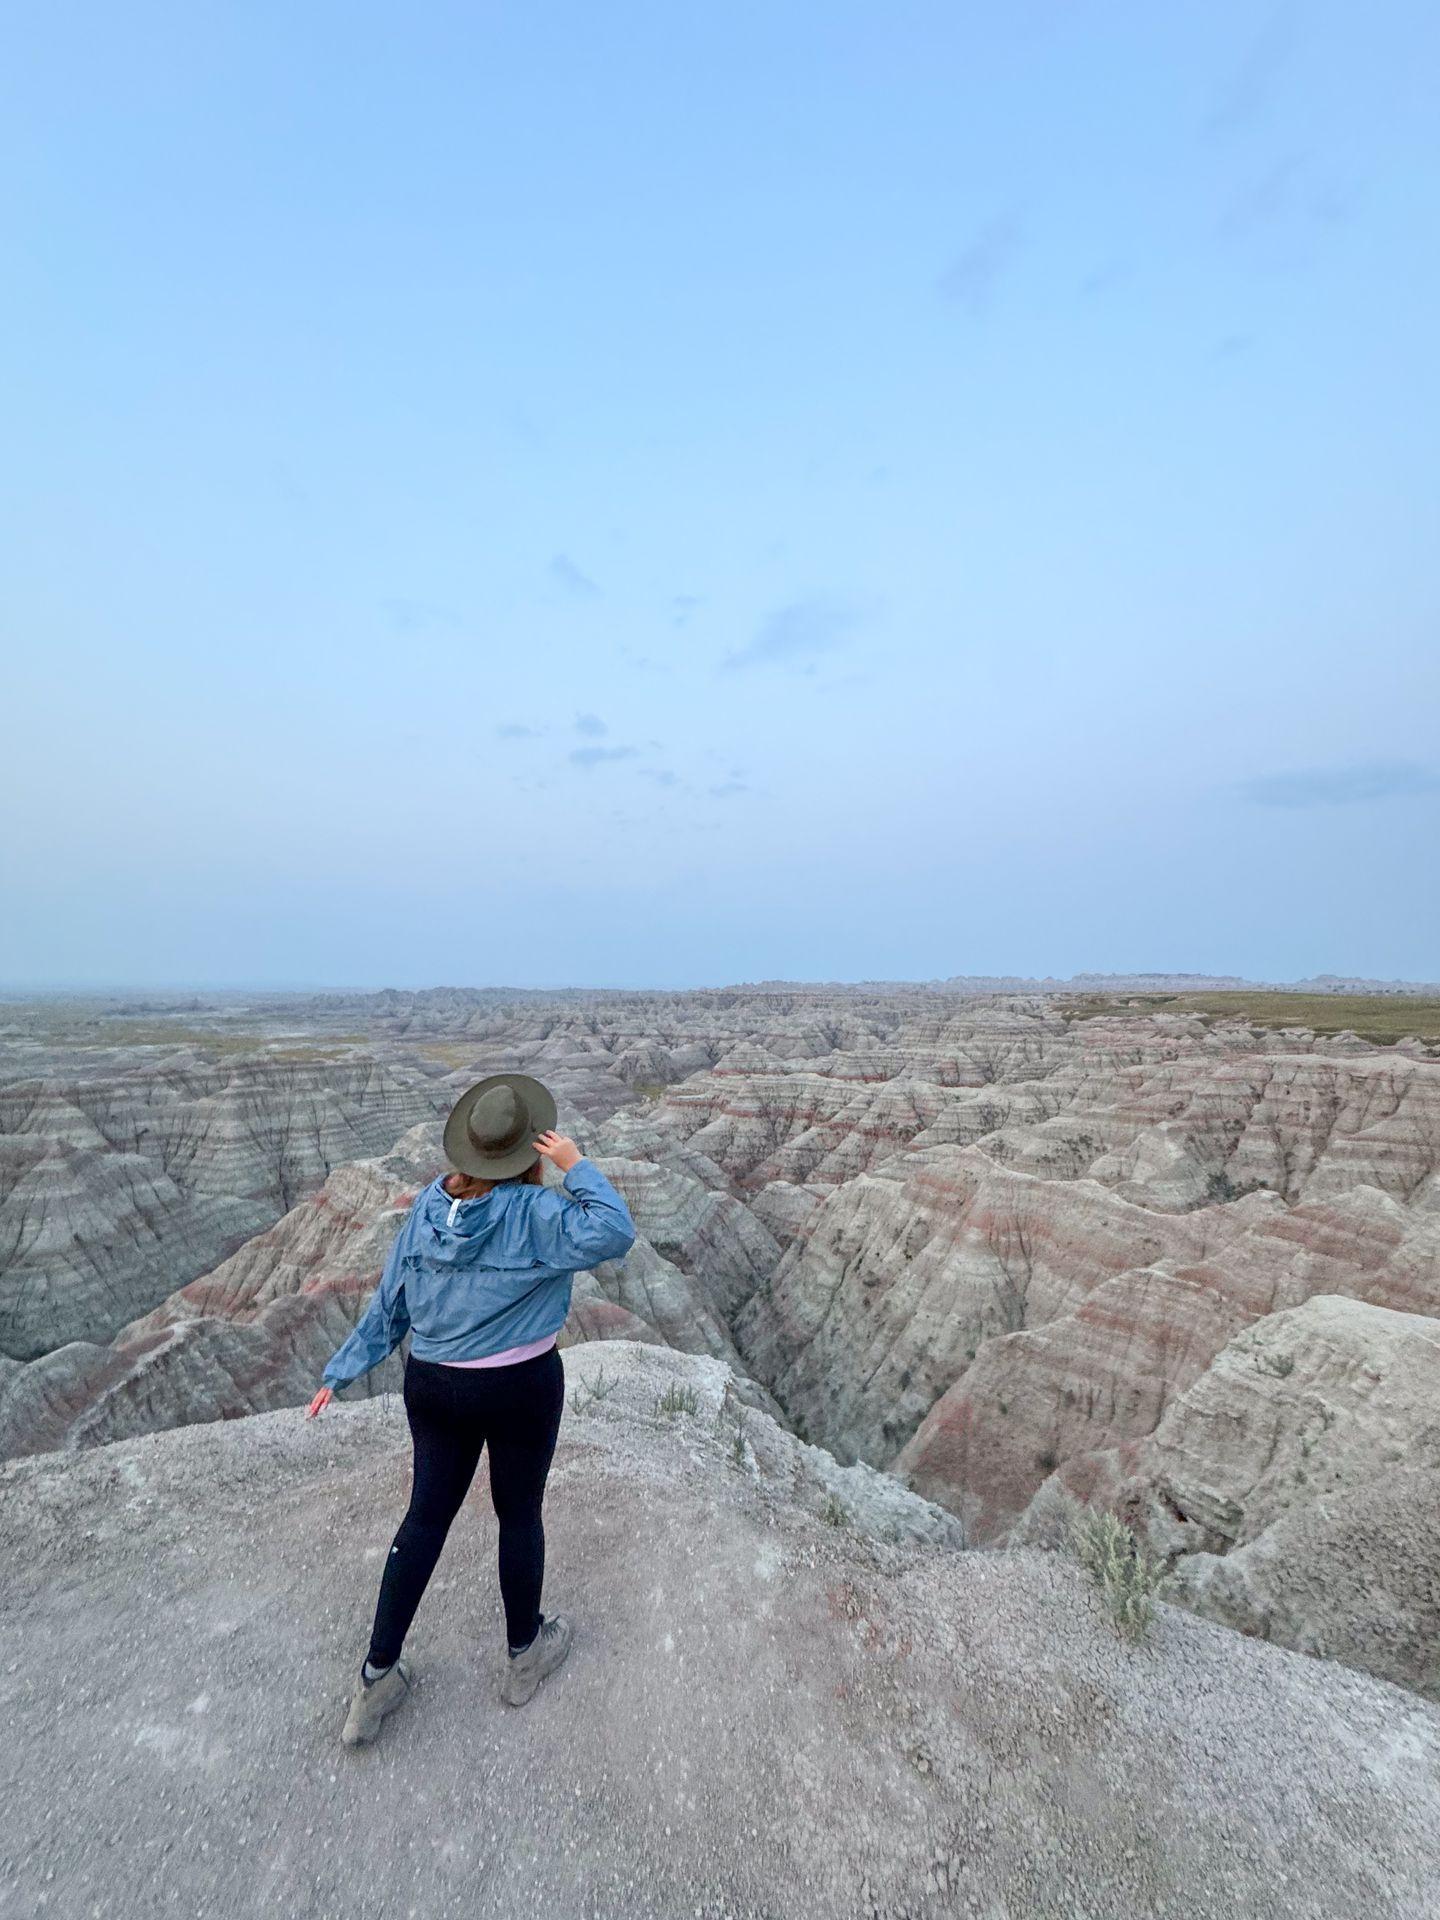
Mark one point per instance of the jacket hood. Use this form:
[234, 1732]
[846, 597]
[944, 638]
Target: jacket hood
[458, 1232]
[473, 1278]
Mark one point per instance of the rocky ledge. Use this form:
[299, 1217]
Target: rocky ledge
[791, 1694]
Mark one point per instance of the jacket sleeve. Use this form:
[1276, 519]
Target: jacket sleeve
[382, 1326]
[583, 1226]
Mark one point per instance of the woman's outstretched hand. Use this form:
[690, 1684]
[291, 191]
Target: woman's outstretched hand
[559, 1150]
[319, 1403]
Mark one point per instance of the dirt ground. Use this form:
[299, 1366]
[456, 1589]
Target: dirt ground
[766, 1714]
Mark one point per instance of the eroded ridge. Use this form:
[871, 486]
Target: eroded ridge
[1183, 1266]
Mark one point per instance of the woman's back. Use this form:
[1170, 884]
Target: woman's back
[481, 1271]
[474, 1277]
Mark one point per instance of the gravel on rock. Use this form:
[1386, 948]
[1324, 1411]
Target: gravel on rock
[790, 1695]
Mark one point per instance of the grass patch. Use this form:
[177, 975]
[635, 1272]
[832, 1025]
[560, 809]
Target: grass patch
[1098, 1006]
[1382, 1018]
[337, 1052]
[163, 1033]
[676, 1399]
[222, 1042]
[730, 1421]
[449, 1053]
[1128, 1579]
[583, 1398]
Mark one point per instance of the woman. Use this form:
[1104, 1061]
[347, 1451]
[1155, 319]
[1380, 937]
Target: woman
[481, 1274]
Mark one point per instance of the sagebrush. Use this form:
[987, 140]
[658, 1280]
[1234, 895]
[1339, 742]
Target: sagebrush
[1130, 1580]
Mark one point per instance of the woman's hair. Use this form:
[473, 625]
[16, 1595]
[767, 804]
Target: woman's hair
[474, 1186]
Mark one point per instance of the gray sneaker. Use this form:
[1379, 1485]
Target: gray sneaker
[371, 1704]
[523, 1672]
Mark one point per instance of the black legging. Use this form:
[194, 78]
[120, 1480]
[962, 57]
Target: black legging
[454, 1412]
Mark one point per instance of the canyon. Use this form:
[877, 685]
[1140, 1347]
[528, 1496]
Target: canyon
[1014, 1252]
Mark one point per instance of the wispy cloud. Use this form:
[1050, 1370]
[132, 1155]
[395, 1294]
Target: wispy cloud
[1104, 275]
[662, 776]
[727, 788]
[589, 757]
[1262, 200]
[590, 723]
[1343, 786]
[417, 616]
[1244, 95]
[972, 276]
[573, 578]
[1231, 345]
[682, 605]
[513, 730]
[798, 634]
[641, 662]
[1292, 194]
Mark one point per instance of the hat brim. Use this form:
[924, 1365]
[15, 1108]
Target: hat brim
[466, 1157]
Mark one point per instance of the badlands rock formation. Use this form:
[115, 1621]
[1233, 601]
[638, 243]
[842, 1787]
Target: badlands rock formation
[764, 1714]
[257, 1331]
[126, 1173]
[1011, 1246]
[121, 1182]
[1001, 1252]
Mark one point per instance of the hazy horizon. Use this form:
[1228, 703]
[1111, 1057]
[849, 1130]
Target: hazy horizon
[222, 989]
[811, 492]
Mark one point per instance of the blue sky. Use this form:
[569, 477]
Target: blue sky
[667, 495]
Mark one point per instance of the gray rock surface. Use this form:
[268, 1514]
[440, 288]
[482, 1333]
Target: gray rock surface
[764, 1715]
[1306, 1464]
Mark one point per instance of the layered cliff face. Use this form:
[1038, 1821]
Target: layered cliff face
[120, 1183]
[1171, 1121]
[1006, 1318]
[997, 1287]
[256, 1332]
[1003, 1254]
[129, 1171]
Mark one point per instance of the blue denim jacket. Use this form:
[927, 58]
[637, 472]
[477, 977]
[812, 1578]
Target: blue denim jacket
[468, 1278]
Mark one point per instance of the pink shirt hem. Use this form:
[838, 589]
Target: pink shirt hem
[509, 1356]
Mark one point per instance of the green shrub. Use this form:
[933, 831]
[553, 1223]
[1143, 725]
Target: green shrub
[1221, 1189]
[735, 1420]
[834, 1512]
[583, 1398]
[1282, 1365]
[677, 1399]
[730, 1425]
[1129, 1579]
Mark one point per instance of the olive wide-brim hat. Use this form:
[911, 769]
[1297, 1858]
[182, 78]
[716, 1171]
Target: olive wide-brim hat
[492, 1126]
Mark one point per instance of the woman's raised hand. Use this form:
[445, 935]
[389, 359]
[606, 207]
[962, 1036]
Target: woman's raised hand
[319, 1403]
[559, 1150]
